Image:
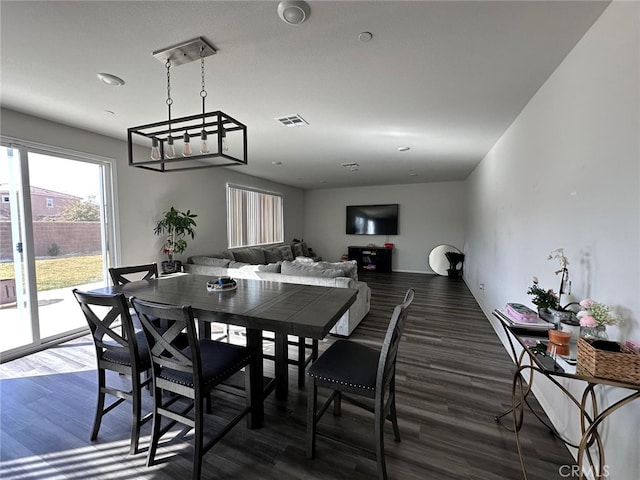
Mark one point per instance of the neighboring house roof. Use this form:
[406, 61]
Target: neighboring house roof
[4, 188]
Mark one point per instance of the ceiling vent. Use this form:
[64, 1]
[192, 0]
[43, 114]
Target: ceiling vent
[292, 121]
[352, 166]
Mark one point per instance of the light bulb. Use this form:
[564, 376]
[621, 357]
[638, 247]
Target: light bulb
[155, 151]
[204, 146]
[225, 147]
[186, 150]
[170, 151]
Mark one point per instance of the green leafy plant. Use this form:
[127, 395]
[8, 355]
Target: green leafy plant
[542, 298]
[176, 225]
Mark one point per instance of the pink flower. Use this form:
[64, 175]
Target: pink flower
[587, 321]
[586, 303]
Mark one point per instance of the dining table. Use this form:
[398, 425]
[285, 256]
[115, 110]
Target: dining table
[308, 311]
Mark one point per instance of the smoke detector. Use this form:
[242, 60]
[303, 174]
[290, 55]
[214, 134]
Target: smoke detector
[293, 12]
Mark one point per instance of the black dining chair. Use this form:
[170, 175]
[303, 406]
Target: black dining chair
[125, 353]
[351, 368]
[122, 275]
[192, 373]
[148, 271]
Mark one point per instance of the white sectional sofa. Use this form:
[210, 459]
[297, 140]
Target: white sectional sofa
[255, 263]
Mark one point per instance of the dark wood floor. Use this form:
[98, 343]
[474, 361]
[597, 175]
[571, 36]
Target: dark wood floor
[453, 377]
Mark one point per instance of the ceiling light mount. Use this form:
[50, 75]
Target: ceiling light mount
[222, 139]
[109, 79]
[293, 12]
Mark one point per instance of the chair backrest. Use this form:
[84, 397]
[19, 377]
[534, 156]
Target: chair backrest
[122, 275]
[389, 351]
[110, 324]
[162, 341]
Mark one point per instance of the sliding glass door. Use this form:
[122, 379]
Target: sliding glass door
[55, 231]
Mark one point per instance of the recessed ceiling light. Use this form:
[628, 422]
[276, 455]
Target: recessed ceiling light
[413, 174]
[403, 149]
[110, 80]
[365, 36]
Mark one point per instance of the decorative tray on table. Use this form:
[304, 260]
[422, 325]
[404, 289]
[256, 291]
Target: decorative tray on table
[221, 284]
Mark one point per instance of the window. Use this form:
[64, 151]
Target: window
[49, 202]
[253, 217]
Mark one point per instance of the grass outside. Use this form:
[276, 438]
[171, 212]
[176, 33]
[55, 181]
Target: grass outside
[52, 273]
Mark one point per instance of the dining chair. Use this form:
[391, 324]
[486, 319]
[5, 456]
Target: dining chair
[149, 271]
[125, 353]
[190, 373]
[351, 368]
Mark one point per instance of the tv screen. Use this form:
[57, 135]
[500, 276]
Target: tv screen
[372, 219]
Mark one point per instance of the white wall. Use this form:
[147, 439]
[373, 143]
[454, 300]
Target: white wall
[143, 195]
[567, 174]
[429, 214]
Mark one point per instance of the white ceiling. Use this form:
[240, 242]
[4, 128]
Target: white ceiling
[443, 78]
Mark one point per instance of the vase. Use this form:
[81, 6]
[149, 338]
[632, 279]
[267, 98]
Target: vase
[171, 266]
[599, 332]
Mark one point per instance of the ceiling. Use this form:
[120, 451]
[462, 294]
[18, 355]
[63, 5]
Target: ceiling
[443, 78]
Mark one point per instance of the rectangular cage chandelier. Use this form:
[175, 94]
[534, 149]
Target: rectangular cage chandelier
[204, 140]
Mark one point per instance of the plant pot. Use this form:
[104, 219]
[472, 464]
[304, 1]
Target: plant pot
[599, 332]
[168, 266]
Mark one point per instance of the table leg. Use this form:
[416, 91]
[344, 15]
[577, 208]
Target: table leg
[256, 418]
[282, 366]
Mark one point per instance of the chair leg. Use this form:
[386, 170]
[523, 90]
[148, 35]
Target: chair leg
[379, 432]
[312, 405]
[136, 400]
[155, 429]
[392, 412]
[199, 438]
[337, 403]
[100, 404]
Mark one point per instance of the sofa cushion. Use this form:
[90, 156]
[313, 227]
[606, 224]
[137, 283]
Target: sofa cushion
[252, 255]
[210, 261]
[305, 249]
[309, 270]
[296, 248]
[234, 264]
[270, 267]
[272, 255]
[286, 252]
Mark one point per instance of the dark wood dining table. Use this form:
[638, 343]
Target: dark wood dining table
[284, 308]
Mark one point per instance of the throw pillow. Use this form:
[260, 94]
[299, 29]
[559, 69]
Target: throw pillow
[285, 250]
[305, 249]
[304, 260]
[349, 269]
[296, 249]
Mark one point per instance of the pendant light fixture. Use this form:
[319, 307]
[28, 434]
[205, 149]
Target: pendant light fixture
[222, 139]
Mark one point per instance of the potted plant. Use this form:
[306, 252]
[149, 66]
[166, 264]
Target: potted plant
[176, 226]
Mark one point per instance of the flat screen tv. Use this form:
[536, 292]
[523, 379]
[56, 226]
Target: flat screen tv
[372, 219]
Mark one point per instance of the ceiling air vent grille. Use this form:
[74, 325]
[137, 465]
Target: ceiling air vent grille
[352, 166]
[292, 121]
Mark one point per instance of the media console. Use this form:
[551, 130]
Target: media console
[372, 259]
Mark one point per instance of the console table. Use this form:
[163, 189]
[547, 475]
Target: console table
[372, 259]
[590, 415]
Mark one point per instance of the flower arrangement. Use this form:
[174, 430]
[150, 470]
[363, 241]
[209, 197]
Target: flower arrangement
[596, 314]
[545, 299]
[542, 298]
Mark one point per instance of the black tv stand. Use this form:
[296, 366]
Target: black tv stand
[372, 259]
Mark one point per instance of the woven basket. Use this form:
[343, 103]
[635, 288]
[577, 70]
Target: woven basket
[623, 366]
